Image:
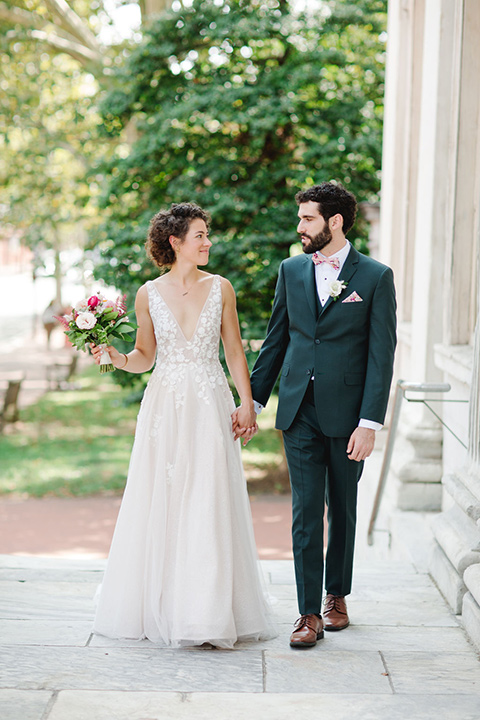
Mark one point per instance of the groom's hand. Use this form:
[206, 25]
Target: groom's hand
[248, 433]
[361, 444]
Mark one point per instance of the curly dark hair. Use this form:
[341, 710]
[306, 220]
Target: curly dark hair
[331, 198]
[175, 221]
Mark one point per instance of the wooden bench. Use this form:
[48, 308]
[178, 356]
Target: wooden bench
[61, 372]
[10, 411]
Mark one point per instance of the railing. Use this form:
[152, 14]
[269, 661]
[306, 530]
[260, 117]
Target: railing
[401, 388]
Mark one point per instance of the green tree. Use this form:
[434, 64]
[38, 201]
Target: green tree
[54, 65]
[48, 125]
[71, 28]
[237, 105]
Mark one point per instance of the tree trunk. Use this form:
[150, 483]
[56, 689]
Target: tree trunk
[150, 8]
[57, 271]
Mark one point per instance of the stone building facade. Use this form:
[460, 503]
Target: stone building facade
[430, 235]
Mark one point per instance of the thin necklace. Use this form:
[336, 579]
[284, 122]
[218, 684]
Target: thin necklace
[187, 291]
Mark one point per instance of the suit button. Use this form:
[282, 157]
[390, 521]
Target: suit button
[309, 372]
[317, 341]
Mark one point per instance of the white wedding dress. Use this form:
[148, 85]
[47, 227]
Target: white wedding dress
[183, 567]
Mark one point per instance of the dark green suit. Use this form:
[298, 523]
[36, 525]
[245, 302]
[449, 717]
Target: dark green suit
[348, 348]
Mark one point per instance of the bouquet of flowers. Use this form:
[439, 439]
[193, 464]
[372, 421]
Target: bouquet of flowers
[100, 321]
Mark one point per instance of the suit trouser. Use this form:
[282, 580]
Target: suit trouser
[320, 472]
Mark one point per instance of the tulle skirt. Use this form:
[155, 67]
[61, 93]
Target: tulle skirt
[183, 568]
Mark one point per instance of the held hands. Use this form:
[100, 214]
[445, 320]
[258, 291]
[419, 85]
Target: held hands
[361, 443]
[244, 423]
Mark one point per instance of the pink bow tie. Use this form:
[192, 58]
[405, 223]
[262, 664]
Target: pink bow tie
[318, 259]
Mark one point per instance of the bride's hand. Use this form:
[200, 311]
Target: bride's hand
[97, 353]
[244, 423]
[246, 416]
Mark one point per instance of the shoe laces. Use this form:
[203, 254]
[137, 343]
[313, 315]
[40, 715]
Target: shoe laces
[308, 620]
[334, 602]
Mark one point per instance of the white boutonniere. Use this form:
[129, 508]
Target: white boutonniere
[336, 287]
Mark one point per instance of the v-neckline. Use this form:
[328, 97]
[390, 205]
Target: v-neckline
[173, 314]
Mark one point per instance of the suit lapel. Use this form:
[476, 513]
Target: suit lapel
[348, 271]
[310, 287]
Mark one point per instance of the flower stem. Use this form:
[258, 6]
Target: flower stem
[106, 368]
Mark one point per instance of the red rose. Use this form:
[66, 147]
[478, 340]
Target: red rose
[93, 302]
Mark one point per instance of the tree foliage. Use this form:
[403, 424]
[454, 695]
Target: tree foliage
[73, 28]
[48, 136]
[237, 104]
[60, 26]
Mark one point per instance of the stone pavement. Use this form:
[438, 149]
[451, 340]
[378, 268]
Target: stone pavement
[403, 657]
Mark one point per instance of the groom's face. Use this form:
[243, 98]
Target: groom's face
[312, 228]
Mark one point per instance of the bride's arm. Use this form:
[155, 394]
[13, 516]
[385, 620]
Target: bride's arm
[142, 357]
[235, 355]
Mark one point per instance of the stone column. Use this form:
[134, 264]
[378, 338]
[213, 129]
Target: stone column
[422, 291]
[455, 563]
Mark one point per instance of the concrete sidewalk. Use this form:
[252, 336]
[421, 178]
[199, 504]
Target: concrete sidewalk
[403, 657]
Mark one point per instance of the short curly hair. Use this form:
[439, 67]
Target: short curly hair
[331, 198]
[175, 221]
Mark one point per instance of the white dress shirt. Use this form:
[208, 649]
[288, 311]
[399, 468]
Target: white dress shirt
[325, 274]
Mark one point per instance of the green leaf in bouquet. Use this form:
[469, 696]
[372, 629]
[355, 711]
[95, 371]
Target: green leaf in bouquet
[109, 314]
[79, 341]
[125, 323]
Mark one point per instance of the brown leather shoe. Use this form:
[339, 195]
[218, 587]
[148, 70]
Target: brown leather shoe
[335, 613]
[308, 629]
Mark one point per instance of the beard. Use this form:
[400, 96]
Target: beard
[318, 242]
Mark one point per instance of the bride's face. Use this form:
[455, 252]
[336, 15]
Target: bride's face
[196, 245]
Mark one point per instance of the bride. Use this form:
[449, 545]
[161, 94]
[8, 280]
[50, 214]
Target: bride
[183, 568]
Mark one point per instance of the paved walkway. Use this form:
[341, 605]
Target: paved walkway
[403, 657]
[81, 527]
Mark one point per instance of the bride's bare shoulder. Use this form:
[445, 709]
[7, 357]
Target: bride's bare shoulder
[228, 293]
[142, 296]
[162, 279]
[226, 284]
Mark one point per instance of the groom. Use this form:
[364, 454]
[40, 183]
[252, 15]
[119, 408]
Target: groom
[332, 336]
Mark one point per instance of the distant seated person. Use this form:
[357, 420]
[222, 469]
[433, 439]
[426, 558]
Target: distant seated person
[49, 319]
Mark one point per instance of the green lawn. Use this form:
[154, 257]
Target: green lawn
[78, 442]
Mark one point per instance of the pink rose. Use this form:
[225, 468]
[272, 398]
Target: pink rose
[93, 302]
[109, 304]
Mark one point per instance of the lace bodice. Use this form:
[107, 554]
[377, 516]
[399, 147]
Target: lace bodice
[176, 355]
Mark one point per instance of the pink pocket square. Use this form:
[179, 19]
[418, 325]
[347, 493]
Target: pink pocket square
[354, 297]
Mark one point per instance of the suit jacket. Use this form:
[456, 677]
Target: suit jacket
[348, 347]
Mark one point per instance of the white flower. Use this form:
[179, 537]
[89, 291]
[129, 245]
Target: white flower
[81, 305]
[336, 287]
[86, 321]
